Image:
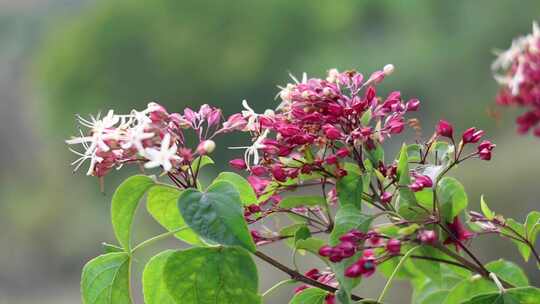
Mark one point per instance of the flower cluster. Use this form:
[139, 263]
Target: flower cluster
[356, 241]
[318, 124]
[517, 70]
[152, 137]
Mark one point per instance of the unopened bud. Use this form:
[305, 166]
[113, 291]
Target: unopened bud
[206, 147]
[388, 69]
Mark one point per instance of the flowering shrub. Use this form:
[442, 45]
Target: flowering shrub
[403, 217]
[520, 79]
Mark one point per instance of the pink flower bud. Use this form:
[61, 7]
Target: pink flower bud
[331, 159]
[331, 132]
[484, 154]
[238, 164]
[325, 251]
[330, 299]
[386, 197]
[313, 273]
[343, 152]
[393, 246]
[416, 187]
[278, 173]
[206, 147]
[253, 208]
[445, 129]
[413, 105]
[472, 135]
[347, 248]
[259, 170]
[428, 237]
[353, 271]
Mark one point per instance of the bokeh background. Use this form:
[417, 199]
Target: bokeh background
[62, 57]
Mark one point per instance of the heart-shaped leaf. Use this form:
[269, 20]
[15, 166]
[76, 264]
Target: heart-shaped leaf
[124, 204]
[212, 275]
[162, 204]
[154, 289]
[216, 215]
[247, 194]
[105, 279]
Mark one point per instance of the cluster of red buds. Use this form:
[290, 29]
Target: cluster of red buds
[318, 124]
[517, 70]
[326, 277]
[469, 136]
[152, 137]
[355, 241]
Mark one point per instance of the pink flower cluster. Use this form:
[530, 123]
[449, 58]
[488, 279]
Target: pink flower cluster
[319, 123]
[518, 73]
[152, 137]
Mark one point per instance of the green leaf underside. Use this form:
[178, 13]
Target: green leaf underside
[348, 217]
[162, 204]
[452, 197]
[296, 201]
[105, 280]
[216, 215]
[154, 288]
[522, 295]
[124, 204]
[469, 288]
[247, 194]
[532, 226]
[212, 275]
[309, 296]
[349, 189]
[509, 272]
[523, 249]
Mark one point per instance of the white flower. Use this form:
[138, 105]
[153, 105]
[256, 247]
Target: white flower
[251, 155]
[134, 138]
[163, 156]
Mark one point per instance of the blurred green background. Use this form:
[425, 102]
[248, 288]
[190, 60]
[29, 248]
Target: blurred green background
[60, 57]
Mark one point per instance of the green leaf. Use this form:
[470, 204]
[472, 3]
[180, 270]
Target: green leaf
[366, 117]
[522, 295]
[403, 167]
[216, 215]
[435, 297]
[452, 197]
[212, 275]
[309, 296]
[105, 280]
[485, 209]
[205, 161]
[375, 155]
[348, 217]
[109, 248]
[532, 226]
[247, 194]
[523, 249]
[301, 233]
[508, 272]
[295, 201]
[349, 189]
[310, 244]
[153, 283]
[124, 204]
[162, 204]
[413, 153]
[469, 288]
